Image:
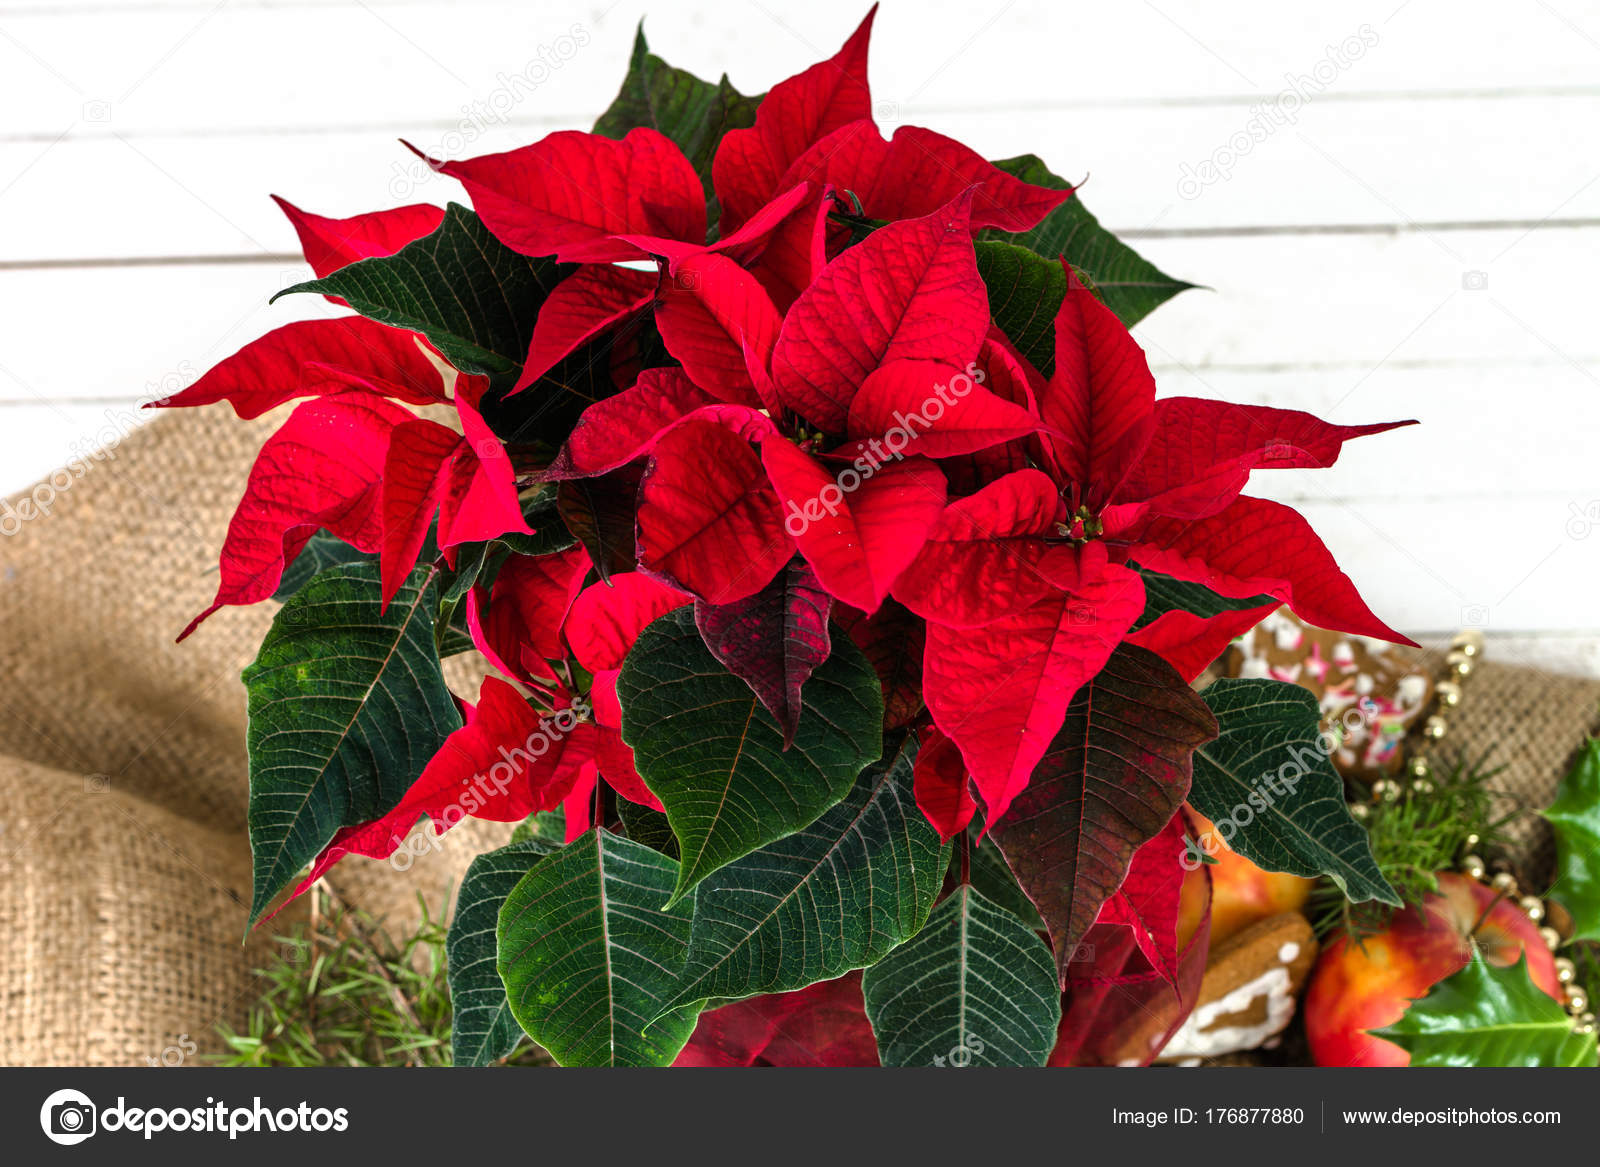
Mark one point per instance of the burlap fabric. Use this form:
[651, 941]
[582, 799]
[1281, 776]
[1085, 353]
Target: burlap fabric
[124, 863]
[1531, 724]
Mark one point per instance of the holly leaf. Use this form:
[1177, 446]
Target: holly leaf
[1490, 1016]
[1575, 818]
[347, 705]
[589, 956]
[483, 1030]
[1267, 776]
[693, 113]
[773, 640]
[832, 897]
[472, 296]
[715, 757]
[975, 987]
[1130, 285]
[1113, 777]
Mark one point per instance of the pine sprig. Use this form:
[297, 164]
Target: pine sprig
[1422, 832]
[343, 992]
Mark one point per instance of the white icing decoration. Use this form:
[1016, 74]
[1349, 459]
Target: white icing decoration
[1411, 688]
[1288, 952]
[1364, 683]
[1195, 1038]
[1255, 667]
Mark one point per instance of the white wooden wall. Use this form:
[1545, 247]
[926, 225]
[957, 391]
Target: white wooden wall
[1421, 241]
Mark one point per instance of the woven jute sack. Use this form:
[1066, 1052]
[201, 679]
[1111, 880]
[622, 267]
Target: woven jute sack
[124, 859]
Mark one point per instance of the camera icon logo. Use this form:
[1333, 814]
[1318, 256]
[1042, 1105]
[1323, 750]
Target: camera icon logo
[68, 1117]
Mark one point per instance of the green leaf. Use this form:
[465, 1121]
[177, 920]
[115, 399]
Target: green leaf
[589, 957]
[835, 896]
[321, 551]
[463, 289]
[1163, 594]
[1130, 285]
[1490, 1016]
[1268, 777]
[987, 870]
[714, 756]
[693, 113]
[1025, 293]
[347, 704]
[546, 826]
[975, 987]
[483, 1030]
[1575, 817]
[645, 824]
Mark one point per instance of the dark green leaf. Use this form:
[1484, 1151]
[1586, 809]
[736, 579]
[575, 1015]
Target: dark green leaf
[693, 113]
[347, 705]
[589, 957]
[599, 513]
[1490, 1016]
[832, 897]
[645, 824]
[707, 748]
[1130, 285]
[321, 551]
[483, 1030]
[546, 826]
[975, 987]
[989, 874]
[463, 289]
[1025, 293]
[1268, 783]
[1163, 594]
[1575, 817]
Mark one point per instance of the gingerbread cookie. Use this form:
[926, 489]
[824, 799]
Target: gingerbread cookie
[1371, 692]
[1248, 994]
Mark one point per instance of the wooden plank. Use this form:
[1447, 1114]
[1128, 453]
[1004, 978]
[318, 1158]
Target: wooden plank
[1371, 164]
[298, 65]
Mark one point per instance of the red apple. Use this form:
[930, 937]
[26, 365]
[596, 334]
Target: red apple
[1241, 892]
[1356, 988]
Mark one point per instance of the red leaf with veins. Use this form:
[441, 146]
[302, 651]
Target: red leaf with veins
[986, 558]
[330, 244]
[857, 541]
[416, 473]
[939, 781]
[917, 171]
[590, 301]
[1256, 547]
[750, 163]
[507, 762]
[1189, 642]
[943, 409]
[1002, 691]
[797, 249]
[909, 291]
[319, 358]
[517, 624]
[1100, 399]
[717, 320]
[773, 640]
[607, 618]
[1147, 902]
[616, 430]
[1192, 435]
[708, 518]
[822, 1025]
[466, 479]
[1119, 1010]
[1115, 774]
[322, 468]
[568, 193]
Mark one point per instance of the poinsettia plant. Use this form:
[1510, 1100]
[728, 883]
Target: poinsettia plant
[842, 575]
